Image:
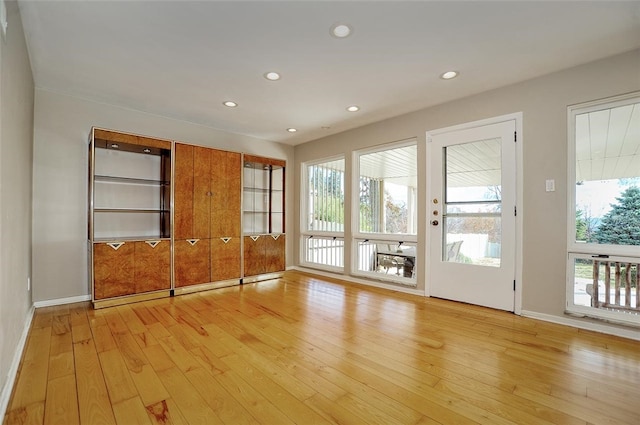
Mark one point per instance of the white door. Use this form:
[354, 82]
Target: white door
[471, 211]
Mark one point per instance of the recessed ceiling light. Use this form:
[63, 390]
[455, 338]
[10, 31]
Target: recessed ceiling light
[272, 76]
[292, 130]
[449, 75]
[341, 30]
[229, 103]
[353, 108]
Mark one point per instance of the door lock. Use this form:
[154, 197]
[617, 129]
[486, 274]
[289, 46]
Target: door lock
[434, 222]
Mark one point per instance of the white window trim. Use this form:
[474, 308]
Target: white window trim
[572, 112]
[355, 195]
[304, 210]
[356, 235]
[582, 249]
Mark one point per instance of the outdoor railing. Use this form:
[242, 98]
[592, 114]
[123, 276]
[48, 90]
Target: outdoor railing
[626, 280]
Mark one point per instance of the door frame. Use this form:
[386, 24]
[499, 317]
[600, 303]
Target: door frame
[517, 117]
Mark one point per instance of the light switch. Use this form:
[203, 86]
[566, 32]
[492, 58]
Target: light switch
[550, 185]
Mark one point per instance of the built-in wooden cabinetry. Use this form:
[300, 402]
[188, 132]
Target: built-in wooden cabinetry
[129, 215]
[263, 217]
[169, 217]
[207, 216]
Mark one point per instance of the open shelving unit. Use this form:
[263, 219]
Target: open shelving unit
[263, 221]
[129, 226]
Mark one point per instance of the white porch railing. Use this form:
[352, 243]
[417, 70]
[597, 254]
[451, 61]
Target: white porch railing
[619, 294]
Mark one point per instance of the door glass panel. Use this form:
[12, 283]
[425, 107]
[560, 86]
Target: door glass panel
[473, 207]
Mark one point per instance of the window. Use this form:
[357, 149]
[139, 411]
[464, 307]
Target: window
[388, 182]
[604, 209]
[322, 234]
[385, 243]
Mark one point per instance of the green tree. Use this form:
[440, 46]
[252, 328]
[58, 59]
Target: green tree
[327, 189]
[621, 225]
[581, 226]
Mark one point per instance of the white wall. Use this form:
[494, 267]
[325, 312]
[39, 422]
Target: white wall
[16, 149]
[543, 102]
[62, 125]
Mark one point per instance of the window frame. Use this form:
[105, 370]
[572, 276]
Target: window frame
[355, 195]
[572, 111]
[304, 232]
[356, 236]
[586, 250]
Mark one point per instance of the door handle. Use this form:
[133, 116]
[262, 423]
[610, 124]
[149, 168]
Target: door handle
[434, 222]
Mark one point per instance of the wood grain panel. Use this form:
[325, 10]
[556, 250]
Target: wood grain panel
[118, 379]
[115, 136]
[93, 399]
[218, 184]
[62, 404]
[113, 270]
[152, 269]
[225, 222]
[274, 253]
[201, 192]
[225, 259]
[191, 263]
[218, 177]
[276, 352]
[131, 411]
[32, 384]
[233, 172]
[263, 160]
[254, 255]
[183, 192]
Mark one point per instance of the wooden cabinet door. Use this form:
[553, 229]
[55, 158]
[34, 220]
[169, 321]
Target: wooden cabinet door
[152, 269]
[183, 192]
[191, 262]
[254, 255]
[192, 196]
[275, 253]
[113, 269]
[233, 172]
[226, 168]
[201, 192]
[225, 258]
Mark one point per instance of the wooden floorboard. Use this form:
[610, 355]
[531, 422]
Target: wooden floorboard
[309, 350]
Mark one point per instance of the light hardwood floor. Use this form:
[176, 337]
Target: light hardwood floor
[310, 350]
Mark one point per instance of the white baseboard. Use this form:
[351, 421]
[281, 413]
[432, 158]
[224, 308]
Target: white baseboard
[352, 279]
[61, 301]
[585, 324]
[15, 364]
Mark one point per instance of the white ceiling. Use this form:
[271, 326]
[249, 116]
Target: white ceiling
[182, 59]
